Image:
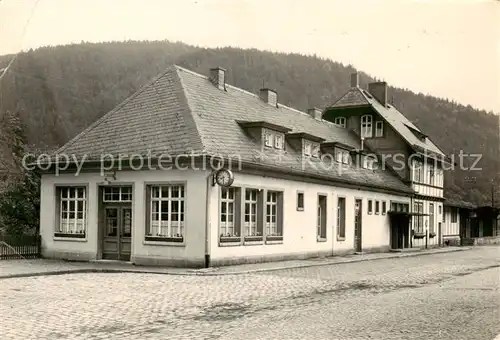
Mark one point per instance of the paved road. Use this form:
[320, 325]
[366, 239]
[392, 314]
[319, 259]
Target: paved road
[445, 296]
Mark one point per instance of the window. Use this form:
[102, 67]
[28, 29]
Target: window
[268, 139]
[166, 213]
[377, 207]
[72, 212]
[418, 170]
[366, 126]
[228, 221]
[300, 201]
[321, 218]
[315, 150]
[370, 206]
[454, 213]
[274, 215]
[379, 129]
[431, 174]
[444, 214]
[400, 207]
[419, 219]
[384, 207]
[439, 210]
[252, 225]
[342, 156]
[340, 121]
[341, 218]
[307, 148]
[431, 217]
[117, 194]
[278, 142]
[368, 162]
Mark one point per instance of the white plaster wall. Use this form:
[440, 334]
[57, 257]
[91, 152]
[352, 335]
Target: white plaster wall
[299, 227]
[195, 186]
[437, 219]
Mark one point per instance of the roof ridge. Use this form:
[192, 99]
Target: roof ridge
[109, 113]
[257, 96]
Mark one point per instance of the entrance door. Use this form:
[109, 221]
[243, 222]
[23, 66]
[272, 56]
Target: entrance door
[117, 233]
[358, 210]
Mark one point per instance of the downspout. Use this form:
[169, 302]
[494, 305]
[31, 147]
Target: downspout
[207, 219]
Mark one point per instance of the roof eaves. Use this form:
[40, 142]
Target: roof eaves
[263, 124]
[305, 135]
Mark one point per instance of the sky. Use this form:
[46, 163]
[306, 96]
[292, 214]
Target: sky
[446, 48]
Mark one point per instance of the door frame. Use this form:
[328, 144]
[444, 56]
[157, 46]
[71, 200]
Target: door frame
[101, 210]
[358, 246]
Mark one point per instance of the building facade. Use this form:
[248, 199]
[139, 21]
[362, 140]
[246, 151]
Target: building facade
[190, 171]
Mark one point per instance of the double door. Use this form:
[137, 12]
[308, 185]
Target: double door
[117, 240]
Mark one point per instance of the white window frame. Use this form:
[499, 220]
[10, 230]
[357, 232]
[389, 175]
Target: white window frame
[379, 128]
[166, 229]
[271, 215]
[377, 207]
[370, 207]
[315, 151]
[307, 148]
[72, 202]
[366, 126]
[124, 196]
[345, 157]
[384, 207]
[278, 141]
[341, 121]
[251, 227]
[228, 201]
[268, 139]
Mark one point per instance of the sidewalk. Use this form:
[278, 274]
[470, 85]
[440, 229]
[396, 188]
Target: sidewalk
[41, 267]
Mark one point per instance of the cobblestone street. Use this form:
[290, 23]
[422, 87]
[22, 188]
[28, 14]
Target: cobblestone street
[442, 296]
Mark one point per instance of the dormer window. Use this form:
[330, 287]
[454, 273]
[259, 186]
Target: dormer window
[379, 128]
[268, 139]
[368, 162]
[342, 156]
[340, 121]
[315, 150]
[307, 148]
[278, 141]
[366, 126]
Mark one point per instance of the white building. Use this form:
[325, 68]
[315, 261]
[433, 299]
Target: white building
[190, 171]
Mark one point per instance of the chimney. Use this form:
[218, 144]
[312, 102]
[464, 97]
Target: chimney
[315, 113]
[354, 79]
[218, 77]
[269, 96]
[379, 91]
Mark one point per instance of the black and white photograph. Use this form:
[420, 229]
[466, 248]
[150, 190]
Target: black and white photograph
[250, 169]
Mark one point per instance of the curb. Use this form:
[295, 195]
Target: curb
[215, 273]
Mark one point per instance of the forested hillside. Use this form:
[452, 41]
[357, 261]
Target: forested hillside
[58, 91]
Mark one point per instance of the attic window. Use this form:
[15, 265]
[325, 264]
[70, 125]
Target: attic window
[268, 139]
[342, 156]
[368, 162]
[278, 141]
[307, 148]
[340, 121]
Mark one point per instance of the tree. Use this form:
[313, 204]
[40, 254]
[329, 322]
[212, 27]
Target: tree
[20, 198]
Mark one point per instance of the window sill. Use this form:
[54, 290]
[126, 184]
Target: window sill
[253, 239]
[70, 237]
[274, 241]
[148, 242]
[253, 243]
[274, 238]
[230, 244]
[321, 239]
[300, 209]
[229, 239]
[340, 238]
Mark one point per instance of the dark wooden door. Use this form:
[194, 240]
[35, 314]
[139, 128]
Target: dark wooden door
[358, 211]
[117, 233]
